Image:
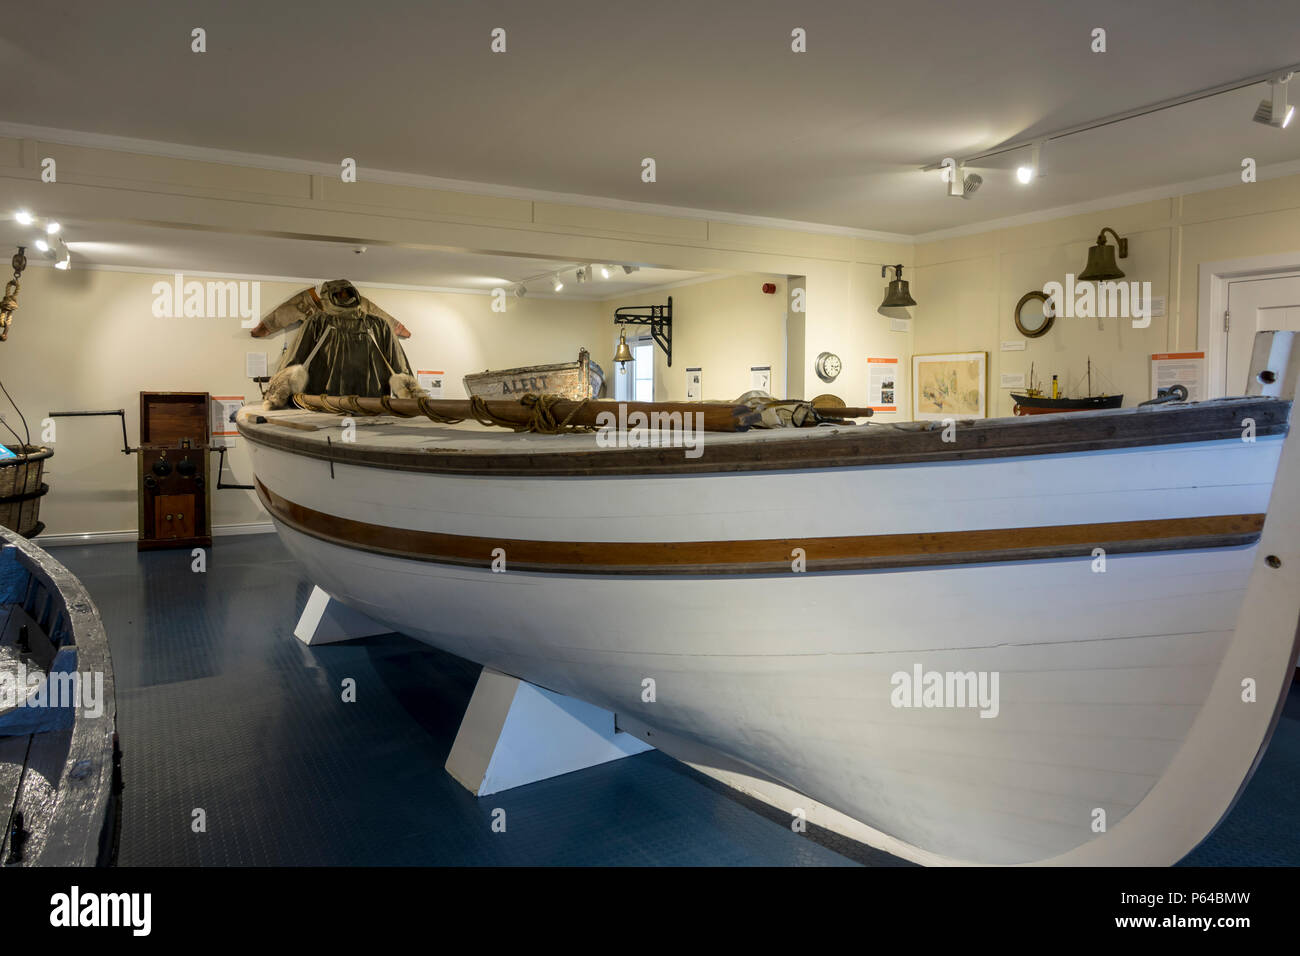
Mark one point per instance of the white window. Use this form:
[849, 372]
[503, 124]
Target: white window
[644, 370]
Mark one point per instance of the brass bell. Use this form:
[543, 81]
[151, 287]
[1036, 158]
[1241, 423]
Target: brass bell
[898, 296]
[1101, 259]
[623, 354]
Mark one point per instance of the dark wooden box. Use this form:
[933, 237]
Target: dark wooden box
[174, 419]
[175, 499]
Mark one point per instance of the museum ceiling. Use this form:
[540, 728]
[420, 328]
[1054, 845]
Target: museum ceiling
[735, 121]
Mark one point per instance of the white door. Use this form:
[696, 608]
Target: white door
[1256, 305]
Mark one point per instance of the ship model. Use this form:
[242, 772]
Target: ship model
[994, 647]
[1034, 402]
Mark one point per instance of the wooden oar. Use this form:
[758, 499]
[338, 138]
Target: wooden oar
[717, 417]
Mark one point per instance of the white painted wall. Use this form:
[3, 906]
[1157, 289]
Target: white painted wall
[87, 339]
[967, 287]
[724, 326]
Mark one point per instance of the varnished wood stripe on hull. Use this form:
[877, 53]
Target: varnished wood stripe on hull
[769, 556]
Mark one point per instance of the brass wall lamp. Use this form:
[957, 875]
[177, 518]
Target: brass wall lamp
[1101, 258]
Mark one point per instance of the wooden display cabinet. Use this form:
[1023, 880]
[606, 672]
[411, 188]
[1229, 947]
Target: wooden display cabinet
[174, 494]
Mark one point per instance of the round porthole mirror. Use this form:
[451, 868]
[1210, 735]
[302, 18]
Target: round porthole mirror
[1033, 314]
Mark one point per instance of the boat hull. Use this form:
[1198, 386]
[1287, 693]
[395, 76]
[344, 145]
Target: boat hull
[791, 679]
[571, 380]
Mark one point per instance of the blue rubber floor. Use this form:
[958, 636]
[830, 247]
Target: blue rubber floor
[222, 710]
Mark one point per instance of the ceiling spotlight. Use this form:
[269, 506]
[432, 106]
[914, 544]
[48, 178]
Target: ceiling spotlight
[1026, 174]
[962, 184]
[557, 284]
[24, 217]
[581, 275]
[1274, 110]
[52, 228]
[628, 270]
[63, 263]
[42, 245]
[605, 272]
[520, 291]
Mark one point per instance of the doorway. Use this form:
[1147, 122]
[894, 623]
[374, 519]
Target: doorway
[1256, 305]
[1237, 298]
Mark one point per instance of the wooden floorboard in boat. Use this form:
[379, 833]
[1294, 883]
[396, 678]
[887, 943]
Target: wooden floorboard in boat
[768, 556]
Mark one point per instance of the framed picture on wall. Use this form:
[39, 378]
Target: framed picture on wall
[950, 385]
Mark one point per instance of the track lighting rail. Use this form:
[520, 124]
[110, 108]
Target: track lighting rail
[1126, 115]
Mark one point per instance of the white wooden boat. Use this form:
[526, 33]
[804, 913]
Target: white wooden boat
[573, 380]
[1132, 703]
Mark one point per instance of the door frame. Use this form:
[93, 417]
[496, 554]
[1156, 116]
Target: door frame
[1212, 301]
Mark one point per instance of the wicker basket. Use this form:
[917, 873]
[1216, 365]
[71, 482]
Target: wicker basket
[21, 489]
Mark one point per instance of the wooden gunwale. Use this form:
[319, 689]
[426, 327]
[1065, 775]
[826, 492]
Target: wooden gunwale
[772, 555]
[846, 447]
[79, 824]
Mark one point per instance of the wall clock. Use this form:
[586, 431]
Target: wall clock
[828, 366]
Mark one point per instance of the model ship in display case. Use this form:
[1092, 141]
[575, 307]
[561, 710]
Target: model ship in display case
[995, 647]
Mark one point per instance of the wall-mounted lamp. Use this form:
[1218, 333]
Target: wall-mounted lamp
[898, 296]
[1101, 259]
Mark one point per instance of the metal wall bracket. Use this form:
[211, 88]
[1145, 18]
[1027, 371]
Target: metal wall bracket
[658, 317]
[119, 412]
